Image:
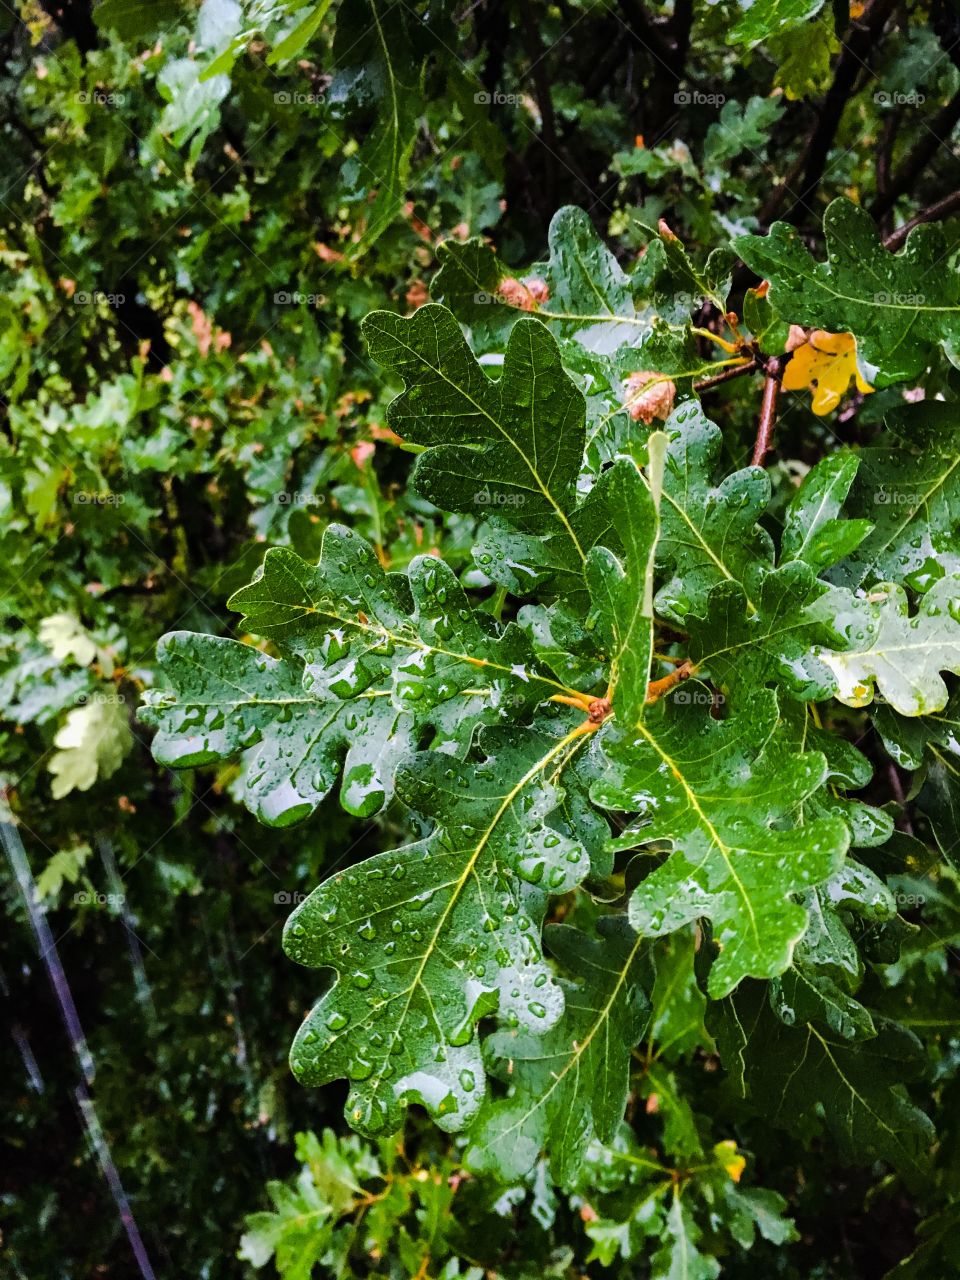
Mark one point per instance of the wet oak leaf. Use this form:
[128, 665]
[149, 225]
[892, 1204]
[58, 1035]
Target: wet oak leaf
[429, 938]
[709, 531]
[569, 1085]
[813, 528]
[724, 794]
[908, 488]
[904, 656]
[514, 445]
[901, 307]
[793, 1072]
[368, 660]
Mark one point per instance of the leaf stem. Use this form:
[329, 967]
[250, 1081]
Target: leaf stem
[657, 688]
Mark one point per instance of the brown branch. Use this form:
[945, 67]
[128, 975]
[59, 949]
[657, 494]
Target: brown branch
[657, 688]
[862, 40]
[942, 209]
[773, 371]
[921, 153]
[885, 163]
[735, 371]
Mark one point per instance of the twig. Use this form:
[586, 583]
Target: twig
[737, 371]
[861, 42]
[773, 372]
[657, 688]
[884, 163]
[942, 209]
[921, 153]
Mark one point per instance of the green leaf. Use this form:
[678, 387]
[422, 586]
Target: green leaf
[299, 36]
[370, 659]
[298, 1231]
[678, 1005]
[429, 938]
[903, 656]
[709, 532]
[723, 794]
[679, 1258]
[909, 488]
[901, 307]
[742, 643]
[468, 282]
[91, 745]
[570, 1085]
[590, 295]
[623, 593]
[584, 295]
[513, 446]
[766, 18]
[795, 1071]
[812, 529]
[228, 697]
[377, 89]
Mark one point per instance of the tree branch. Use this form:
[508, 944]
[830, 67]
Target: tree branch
[938, 130]
[861, 41]
[773, 371]
[942, 209]
[735, 371]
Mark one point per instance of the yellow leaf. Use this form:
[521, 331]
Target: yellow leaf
[730, 1159]
[824, 365]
